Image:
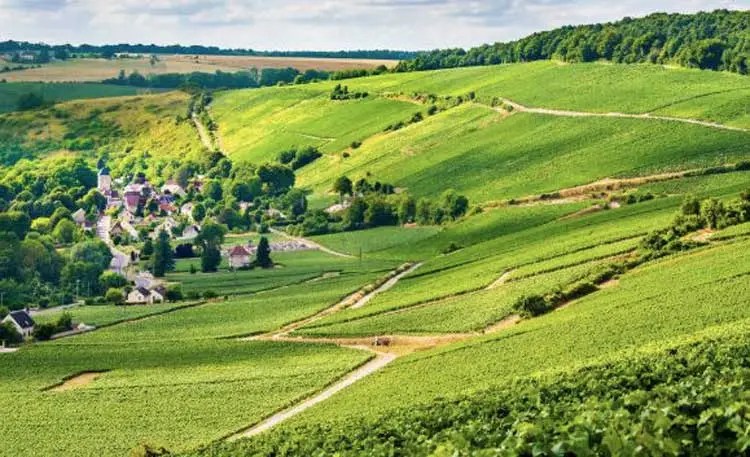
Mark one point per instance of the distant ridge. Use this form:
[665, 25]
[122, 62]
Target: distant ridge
[719, 40]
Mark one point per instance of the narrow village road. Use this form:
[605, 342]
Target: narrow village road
[120, 260]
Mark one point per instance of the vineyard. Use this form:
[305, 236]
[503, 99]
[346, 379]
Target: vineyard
[591, 299]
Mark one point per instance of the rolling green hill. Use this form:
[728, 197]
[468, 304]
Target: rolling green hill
[583, 268]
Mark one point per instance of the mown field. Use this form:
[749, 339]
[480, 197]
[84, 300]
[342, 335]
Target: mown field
[60, 92]
[75, 70]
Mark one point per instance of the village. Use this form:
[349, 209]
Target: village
[138, 211]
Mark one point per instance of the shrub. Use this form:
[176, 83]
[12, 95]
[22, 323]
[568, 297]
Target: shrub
[44, 332]
[115, 296]
[209, 294]
[532, 305]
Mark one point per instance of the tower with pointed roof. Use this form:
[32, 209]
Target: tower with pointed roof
[104, 181]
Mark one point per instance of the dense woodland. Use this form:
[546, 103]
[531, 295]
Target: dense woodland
[719, 40]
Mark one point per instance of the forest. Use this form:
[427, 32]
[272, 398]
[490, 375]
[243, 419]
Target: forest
[714, 41]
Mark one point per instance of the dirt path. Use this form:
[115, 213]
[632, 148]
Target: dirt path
[385, 286]
[381, 360]
[500, 281]
[203, 133]
[312, 244]
[566, 113]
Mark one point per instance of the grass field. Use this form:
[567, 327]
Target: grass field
[292, 267]
[146, 389]
[489, 155]
[107, 314]
[75, 70]
[10, 92]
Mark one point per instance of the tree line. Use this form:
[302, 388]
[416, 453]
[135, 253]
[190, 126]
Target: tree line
[109, 50]
[715, 40]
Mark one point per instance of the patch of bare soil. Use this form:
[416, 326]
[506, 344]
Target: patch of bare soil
[76, 381]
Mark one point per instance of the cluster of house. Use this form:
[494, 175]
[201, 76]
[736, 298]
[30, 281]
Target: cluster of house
[241, 256]
[136, 195]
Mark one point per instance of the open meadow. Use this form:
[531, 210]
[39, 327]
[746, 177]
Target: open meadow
[96, 70]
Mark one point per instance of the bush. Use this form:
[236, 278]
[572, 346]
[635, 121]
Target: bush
[115, 296]
[209, 294]
[173, 294]
[44, 332]
[532, 305]
[192, 295]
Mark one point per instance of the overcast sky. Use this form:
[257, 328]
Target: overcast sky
[315, 24]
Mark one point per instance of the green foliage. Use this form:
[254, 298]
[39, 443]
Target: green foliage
[115, 296]
[263, 254]
[340, 92]
[704, 40]
[163, 259]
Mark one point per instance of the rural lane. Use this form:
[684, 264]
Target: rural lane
[566, 113]
[381, 360]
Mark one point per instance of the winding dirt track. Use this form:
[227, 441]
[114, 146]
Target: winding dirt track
[566, 113]
[386, 285]
[380, 360]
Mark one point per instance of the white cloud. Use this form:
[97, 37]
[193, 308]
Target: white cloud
[308, 24]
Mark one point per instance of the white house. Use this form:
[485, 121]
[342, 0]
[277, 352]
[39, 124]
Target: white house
[143, 295]
[173, 188]
[104, 181]
[79, 217]
[239, 257]
[190, 232]
[22, 321]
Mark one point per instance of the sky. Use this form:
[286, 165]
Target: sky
[315, 24]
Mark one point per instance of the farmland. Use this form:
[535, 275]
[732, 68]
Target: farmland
[635, 274]
[9, 92]
[96, 70]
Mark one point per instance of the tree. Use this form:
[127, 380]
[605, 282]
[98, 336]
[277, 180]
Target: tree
[9, 335]
[212, 190]
[210, 239]
[94, 251]
[296, 201]
[163, 260]
[276, 178]
[115, 295]
[263, 254]
[354, 218]
[342, 186]
[16, 222]
[407, 210]
[454, 205]
[65, 231]
[148, 248]
[199, 212]
[30, 101]
[712, 211]
[111, 279]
